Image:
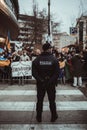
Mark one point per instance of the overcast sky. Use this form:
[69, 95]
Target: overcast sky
[64, 11]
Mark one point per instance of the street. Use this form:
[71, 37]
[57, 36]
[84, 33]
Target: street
[18, 106]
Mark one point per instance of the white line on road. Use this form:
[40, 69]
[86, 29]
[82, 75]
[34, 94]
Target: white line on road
[30, 106]
[33, 92]
[44, 127]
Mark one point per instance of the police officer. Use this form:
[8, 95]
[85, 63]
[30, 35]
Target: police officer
[45, 69]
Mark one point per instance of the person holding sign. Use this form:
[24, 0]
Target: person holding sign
[24, 56]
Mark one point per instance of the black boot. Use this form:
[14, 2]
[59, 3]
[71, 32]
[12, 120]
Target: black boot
[54, 118]
[39, 117]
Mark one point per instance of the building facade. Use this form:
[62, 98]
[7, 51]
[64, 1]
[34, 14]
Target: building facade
[31, 29]
[9, 10]
[82, 31]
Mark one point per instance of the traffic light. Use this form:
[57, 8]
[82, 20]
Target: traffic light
[73, 30]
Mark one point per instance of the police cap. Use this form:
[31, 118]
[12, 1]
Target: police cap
[46, 46]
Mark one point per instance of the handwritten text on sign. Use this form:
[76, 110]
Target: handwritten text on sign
[22, 68]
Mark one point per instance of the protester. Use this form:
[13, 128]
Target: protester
[77, 69]
[15, 56]
[68, 68]
[45, 70]
[24, 56]
[38, 52]
[62, 69]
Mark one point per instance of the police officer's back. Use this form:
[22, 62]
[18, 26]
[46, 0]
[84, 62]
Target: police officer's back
[45, 69]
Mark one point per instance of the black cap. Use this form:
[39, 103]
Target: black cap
[46, 46]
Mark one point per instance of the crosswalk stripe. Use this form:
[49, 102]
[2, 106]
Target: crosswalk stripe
[33, 92]
[45, 127]
[15, 111]
[30, 106]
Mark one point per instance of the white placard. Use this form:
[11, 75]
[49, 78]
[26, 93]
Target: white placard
[21, 68]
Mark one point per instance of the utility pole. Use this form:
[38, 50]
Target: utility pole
[35, 21]
[49, 18]
[48, 39]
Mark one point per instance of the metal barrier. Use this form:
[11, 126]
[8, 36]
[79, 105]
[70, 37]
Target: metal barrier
[6, 77]
[21, 80]
[5, 74]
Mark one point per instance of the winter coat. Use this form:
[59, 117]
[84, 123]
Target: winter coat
[77, 65]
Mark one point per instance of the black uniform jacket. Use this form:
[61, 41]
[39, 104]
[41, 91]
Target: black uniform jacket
[45, 68]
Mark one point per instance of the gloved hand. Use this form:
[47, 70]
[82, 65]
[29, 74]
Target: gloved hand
[40, 80]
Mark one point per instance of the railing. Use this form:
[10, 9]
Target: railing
[6, 78]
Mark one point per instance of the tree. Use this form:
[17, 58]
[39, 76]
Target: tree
[39, 25]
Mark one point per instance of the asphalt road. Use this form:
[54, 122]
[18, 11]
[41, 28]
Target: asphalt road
[18, 108]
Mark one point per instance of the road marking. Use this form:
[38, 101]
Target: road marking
[33, 92]
[30, 106]
[44, 127]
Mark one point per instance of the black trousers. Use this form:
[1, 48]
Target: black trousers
[51, 92]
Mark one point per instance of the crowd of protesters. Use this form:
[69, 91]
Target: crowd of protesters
[73, 64]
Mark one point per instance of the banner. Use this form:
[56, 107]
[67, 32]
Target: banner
[21, 68]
